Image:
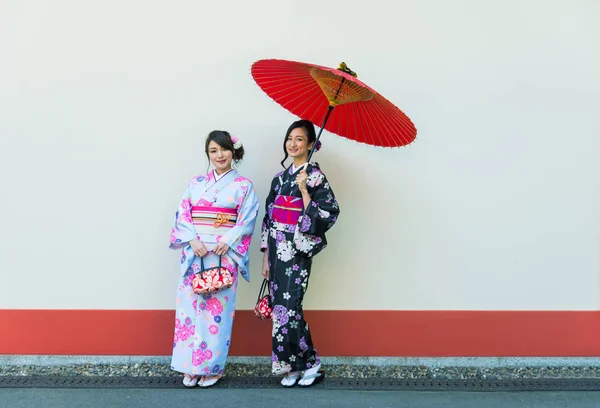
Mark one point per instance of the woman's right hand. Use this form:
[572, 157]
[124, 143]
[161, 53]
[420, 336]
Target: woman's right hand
[265, 268]
[198, 247]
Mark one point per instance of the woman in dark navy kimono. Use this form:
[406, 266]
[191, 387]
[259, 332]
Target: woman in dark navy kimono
[300, 209]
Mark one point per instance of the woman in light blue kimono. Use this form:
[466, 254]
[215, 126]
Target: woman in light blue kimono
[215, 222]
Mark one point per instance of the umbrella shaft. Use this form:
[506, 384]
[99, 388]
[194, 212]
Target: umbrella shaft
[329, 109]
[340, 87]
[312, 150]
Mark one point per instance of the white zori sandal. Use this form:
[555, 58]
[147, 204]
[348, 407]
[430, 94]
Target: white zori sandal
[209, 381]
[312, 376]
[290, 379]
[190, 380]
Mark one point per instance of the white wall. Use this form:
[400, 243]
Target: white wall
[104, 107]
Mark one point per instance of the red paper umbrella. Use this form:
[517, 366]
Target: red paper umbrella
[337, 99]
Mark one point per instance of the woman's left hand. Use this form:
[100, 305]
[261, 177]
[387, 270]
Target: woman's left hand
[221, 248]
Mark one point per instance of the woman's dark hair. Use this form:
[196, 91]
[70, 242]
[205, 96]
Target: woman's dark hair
[308, 126]
[223, 139]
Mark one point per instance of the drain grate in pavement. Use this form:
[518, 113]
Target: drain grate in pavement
[378, 384]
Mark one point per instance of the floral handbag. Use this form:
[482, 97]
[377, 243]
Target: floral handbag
[263, 309]
[211, 279]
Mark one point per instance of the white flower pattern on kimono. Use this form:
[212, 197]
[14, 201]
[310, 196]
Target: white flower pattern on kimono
[281, 367]
[323, 213]
[285, 251]
[315, 179]
[305, 242]
[277, 314]
[263, 240]
[275, 329]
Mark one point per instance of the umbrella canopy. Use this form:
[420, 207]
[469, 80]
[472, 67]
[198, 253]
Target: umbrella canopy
[336, 99]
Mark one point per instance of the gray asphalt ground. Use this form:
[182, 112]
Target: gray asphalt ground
[284, 398]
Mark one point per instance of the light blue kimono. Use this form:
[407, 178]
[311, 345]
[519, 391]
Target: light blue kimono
[203, 322]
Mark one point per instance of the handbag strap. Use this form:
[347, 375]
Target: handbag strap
[202, 264]
[263, 287]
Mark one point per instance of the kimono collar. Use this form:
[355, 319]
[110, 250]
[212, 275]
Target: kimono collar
[212, 186]
[218, 177]
[293, 169]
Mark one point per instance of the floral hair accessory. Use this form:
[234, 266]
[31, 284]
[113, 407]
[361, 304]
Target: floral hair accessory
[236, 142]
[318, 146]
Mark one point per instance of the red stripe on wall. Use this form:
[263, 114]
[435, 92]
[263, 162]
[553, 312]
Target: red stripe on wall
[335, 333]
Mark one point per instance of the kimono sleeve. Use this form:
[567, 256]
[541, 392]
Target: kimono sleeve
[317, 218]
[323, 210]
[239, 237]
[266, 223]
[183, 230]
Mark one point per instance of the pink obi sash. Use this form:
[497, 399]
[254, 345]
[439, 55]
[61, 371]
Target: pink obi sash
[287, 209]
[213, 220]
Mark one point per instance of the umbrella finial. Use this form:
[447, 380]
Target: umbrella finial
[344, 67]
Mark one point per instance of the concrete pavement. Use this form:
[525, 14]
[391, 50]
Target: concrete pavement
[293, 398]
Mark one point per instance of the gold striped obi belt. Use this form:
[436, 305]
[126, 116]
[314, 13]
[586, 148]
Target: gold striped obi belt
[287, 209]
[213, 220]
